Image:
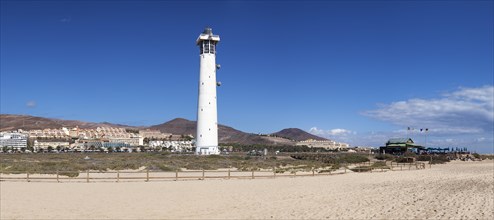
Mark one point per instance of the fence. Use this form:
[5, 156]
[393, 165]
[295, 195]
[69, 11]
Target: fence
[148, 175]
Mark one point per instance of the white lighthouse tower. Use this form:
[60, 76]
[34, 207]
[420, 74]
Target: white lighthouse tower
[207, 116]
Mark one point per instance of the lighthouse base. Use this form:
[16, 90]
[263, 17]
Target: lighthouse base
[207, 150]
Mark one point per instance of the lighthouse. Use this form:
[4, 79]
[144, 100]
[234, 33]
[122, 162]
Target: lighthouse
[207, 115]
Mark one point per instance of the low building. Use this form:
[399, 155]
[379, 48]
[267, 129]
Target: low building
[100, 144]
[44, 145]
[132, 141]
[15, 141]
[154, 134]
[400, 146]
[175, 146]
[326, 144]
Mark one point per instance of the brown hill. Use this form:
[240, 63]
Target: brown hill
[28, 122]
[297, 135]
[176, 126]
[226, 135]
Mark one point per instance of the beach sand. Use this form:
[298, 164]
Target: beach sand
[457, 190]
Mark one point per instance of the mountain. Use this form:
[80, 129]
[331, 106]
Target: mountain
[28, 122]
[176, 126]
[226, 135]
[297, 135]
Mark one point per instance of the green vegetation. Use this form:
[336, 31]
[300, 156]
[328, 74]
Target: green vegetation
[439, 159]
[403, 159]
[333, 158]
[387, 157]
[284, 148]
[487, 156]
[379, 165]
[361, 169]
[70, 164]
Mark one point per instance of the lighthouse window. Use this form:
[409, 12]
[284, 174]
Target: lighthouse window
[208, 47]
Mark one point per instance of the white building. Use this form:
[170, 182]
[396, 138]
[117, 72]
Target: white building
[176, 146]
[207, 117]
[154, 134]
[329, 144]
[43, 145]
[12, 140]
[133, 140]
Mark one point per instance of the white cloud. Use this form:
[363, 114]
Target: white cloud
[31, 104]
[462, 118]
[337, 134]
[482, 143]
[339, 131]
[316, 131]
[466, 111]
[332, 132]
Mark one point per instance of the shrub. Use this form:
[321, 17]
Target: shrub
[424, 157]
[404, 159]
[361, 169]
[164, 167]
[332, 158]
[439, 159]
[388, 157]
[487, 156]
[353, 158]
[214, 156]
[69, 173]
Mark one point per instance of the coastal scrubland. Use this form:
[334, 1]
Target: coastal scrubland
[70, 164]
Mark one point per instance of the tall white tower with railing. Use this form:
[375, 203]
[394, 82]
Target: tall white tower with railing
[207, 116]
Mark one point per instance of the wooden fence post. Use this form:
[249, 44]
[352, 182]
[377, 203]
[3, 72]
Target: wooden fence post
[118, 176]
[147, 175]
[57, 177]
[252, 174]
[28, 177]
[203, 175]
[228, 173]
[345, 168]
[274, 172]
[87, 176]
[313, 172]
[176, 175]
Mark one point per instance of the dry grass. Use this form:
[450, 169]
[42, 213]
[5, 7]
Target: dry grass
[70, 163]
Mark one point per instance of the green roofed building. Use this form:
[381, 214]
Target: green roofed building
[400, 146]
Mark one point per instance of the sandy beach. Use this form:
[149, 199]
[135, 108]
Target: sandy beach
[457, 190]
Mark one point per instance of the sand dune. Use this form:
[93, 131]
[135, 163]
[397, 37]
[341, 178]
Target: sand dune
[456, 190]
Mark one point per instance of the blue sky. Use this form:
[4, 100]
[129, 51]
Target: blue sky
[354, 71]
